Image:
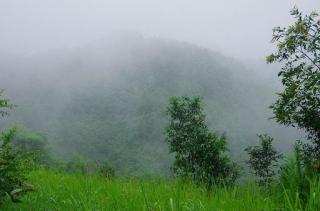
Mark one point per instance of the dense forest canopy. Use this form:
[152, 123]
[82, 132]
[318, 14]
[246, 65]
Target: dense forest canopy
[106, 101]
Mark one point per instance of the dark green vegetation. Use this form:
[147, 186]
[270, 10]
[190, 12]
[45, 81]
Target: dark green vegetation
[299, 104]
[263, 159]
[199, 154]
[14, 165]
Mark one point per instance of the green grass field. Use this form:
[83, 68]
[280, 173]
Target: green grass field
[61, 191]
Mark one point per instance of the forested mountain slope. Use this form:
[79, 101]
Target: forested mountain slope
[107, 100]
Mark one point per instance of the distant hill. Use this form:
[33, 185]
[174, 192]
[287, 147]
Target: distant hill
[107, 100]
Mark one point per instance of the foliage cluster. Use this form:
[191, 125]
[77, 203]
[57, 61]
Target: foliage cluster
[263, 159]
[14, 167]
[199, 154]
[79, 165]
[298, 48]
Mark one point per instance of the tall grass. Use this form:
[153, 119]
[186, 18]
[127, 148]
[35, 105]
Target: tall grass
[62, 191]
[300, 185]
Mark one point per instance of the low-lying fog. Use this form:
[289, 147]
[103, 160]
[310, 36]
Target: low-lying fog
[96, 76]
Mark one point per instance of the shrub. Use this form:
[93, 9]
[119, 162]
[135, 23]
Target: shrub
[263, 159]
[106, 170]
[77, 164]
[14, 166]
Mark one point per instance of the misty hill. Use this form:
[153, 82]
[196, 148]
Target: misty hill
[107, 100]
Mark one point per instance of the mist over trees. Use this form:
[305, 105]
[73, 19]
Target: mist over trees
[135, 122]
[106, 101]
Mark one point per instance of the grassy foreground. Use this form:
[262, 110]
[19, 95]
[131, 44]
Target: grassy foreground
[61, 191]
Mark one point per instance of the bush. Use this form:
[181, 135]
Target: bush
[14, 166]
[106, 170]
[77, 164]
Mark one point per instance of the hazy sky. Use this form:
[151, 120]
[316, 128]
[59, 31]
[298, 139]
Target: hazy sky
[238, 28]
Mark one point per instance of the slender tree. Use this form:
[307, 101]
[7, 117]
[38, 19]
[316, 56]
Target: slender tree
[263, 159]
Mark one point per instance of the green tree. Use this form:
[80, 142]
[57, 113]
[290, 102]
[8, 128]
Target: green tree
[199, 154]
[14, 166]
[263, 159]
[298, 49]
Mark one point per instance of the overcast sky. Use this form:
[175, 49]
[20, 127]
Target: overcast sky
[238, 28]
